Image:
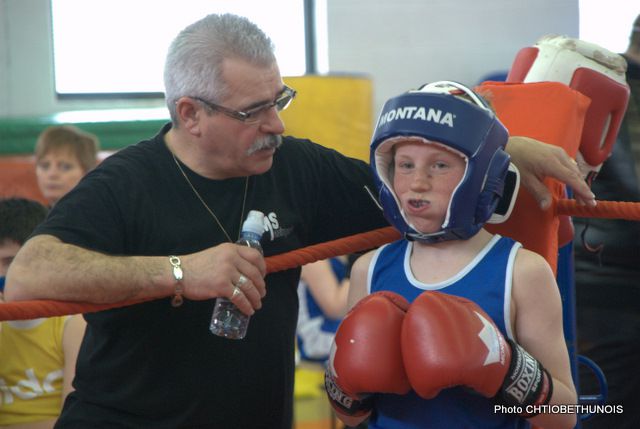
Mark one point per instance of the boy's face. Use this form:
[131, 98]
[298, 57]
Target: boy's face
[424, 178]
[58, 172]
[8, 250]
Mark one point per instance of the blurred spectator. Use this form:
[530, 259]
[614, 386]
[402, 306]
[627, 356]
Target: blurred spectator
[38, 356]
[64, 154]
[322, 293]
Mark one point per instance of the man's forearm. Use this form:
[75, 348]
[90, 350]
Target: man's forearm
[46, 268]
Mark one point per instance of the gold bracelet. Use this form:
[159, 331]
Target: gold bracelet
[177, 299]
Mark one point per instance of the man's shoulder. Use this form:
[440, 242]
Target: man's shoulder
[297, 152]
[132, 167]
[136, 155]
[297, 144]
[153, 146]
[302, 147]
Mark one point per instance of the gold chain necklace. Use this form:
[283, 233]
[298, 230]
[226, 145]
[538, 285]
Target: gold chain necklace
[244, 200]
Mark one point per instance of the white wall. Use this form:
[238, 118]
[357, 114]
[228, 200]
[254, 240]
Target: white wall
[404, 43]
[26, 64]
[400, 44]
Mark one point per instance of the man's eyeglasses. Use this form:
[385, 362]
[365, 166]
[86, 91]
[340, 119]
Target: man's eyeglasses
[252, 116]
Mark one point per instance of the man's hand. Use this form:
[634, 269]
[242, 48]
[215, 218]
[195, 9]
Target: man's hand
[216, 271]
[537, 160]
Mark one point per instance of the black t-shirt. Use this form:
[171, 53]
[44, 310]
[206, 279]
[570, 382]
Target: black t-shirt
[155, 366]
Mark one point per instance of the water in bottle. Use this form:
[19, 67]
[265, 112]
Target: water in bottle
[227, 320]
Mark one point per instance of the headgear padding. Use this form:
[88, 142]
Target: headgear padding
[435, 114]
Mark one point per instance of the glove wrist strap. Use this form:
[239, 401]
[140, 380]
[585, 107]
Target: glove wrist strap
[345, 403]
[527, 382]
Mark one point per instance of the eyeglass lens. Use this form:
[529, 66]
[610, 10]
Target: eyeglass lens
[285, 99]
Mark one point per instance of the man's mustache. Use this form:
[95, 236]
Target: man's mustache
[271, 141]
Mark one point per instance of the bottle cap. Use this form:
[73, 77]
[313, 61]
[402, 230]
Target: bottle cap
[254, 222]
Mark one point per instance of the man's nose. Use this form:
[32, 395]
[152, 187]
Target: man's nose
[272, 123]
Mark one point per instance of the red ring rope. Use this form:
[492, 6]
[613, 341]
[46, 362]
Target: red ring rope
[20, 310]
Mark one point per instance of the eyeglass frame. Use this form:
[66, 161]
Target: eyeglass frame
[250, 115]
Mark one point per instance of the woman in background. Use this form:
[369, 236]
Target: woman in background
[64, 154]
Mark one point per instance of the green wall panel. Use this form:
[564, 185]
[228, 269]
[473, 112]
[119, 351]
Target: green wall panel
[19, 135]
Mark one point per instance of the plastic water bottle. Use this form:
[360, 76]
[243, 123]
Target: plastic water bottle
[227, 320]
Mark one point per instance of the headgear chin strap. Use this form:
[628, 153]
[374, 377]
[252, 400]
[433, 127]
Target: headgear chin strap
[436, 113]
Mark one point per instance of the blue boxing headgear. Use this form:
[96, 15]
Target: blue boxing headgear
[436, 113]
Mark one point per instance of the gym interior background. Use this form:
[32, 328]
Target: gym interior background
[391, 46]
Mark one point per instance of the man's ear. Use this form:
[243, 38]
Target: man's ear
[189, 114]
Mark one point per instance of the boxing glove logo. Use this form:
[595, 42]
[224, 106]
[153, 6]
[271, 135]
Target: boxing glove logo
[493, 340]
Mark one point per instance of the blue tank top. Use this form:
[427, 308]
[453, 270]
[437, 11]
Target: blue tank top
[481, 282]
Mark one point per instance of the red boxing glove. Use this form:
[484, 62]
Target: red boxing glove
[366, 356]
[450, 341]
